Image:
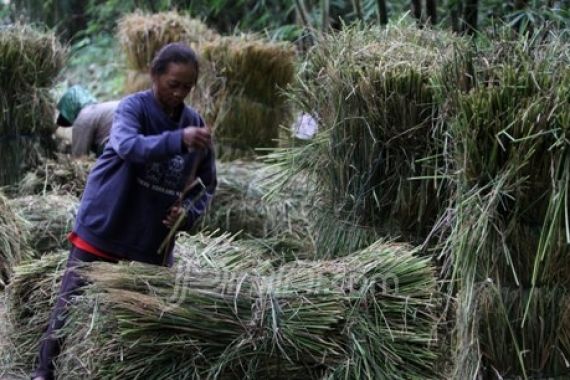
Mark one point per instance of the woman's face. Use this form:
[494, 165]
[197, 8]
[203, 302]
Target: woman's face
[174, 85]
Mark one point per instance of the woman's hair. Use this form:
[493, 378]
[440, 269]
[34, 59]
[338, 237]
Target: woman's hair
[173, 53]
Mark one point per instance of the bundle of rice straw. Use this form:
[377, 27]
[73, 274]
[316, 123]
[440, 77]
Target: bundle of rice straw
[13, 241]
[540, 347]
[142, 35]
[239, 205]
[30, 297]
[377, 154]
[62, 176]
[47, 219]
[366, 316]
[30, 60]
[31, 294]
[510, 152]
[249, 106]
[225, 252]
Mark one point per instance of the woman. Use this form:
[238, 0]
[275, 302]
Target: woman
[133, 194]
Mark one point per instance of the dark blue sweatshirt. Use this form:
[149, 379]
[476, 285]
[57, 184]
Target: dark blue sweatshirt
[140, 175]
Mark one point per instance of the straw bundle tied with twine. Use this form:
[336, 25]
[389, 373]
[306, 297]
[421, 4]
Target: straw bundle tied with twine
[377, 157]
[366, 315]
[248, 104]
[47, 219]
[30, 60]
[13, 241]
[508, 125]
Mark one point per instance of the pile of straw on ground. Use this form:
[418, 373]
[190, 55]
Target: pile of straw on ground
[509, 129]
[369, 315]
[13, 241]
[47, 219]
[241, 205]
[62, 175]
[142, 35]
[249, 107]
[377, 154]
[30, 60]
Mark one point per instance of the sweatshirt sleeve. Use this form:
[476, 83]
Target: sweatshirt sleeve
[129, 142]
[197, 201]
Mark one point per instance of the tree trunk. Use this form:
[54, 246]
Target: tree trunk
[303, 14]
[431, 11]
[382, 12]
[417, 10]
[470, 17]
[520, 4]
[455, 10]
[325, 9]
[358, 9]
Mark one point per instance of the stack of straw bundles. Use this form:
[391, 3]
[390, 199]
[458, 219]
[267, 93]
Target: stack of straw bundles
[368, 315]
[29, 62]
[249, 106]
[509, 129]
[377, 154]
[142, 35]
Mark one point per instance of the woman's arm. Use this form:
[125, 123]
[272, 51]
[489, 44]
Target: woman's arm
[131, 145]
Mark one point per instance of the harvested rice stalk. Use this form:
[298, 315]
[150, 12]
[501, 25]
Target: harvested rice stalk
[509, 132]
[48, 219]
[253, 68]
[142, 35]
[31, 294]
[60, 176]
[369, 315]
[248, 104]
[226, 252]
[378, 154]
[30, 60]
[29, 300]
[29, 57]
[13, 241]
[500, 344]
[240, 205]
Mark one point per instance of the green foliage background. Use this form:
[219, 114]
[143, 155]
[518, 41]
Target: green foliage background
[74, 19]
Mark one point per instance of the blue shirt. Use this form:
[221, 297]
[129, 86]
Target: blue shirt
[143, 170]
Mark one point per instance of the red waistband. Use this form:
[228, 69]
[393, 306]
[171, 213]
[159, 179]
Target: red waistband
[82, 244]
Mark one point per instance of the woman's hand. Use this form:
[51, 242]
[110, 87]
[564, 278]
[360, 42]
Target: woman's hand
[196, 137]
[172, 216]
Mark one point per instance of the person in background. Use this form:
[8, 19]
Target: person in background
[141, 184]
[90, 121]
